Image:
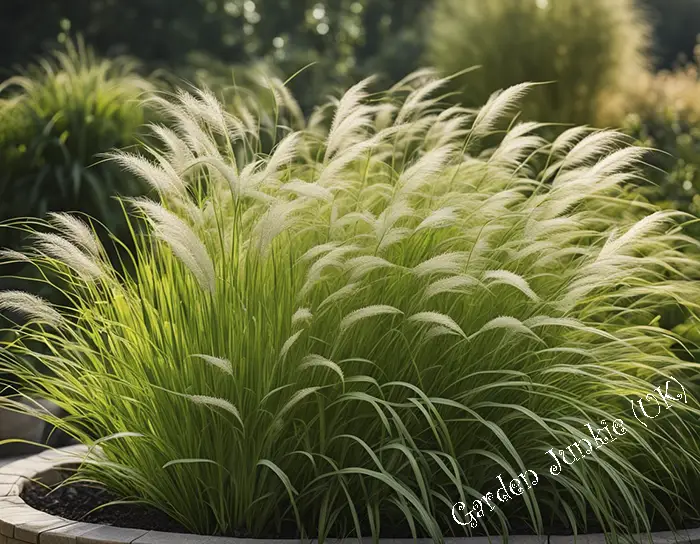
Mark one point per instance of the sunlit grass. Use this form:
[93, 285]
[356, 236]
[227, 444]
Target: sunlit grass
[367, 326]
[589, 52]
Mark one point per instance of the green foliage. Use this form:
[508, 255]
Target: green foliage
[346, 39]
[666, 117]
[55, 121]
[675, 165]
[356, 331]
[588, 48]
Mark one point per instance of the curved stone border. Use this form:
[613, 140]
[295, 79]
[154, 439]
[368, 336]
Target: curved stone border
[22, 524]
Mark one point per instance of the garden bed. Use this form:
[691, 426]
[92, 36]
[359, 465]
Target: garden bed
[21, 523]
[88, 504]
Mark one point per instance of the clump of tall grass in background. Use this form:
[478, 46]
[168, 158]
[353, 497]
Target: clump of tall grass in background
[55, 120]
[589, 49]
[354, 332]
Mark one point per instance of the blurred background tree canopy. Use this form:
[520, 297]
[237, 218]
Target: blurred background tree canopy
[352, 32]
[347, 39]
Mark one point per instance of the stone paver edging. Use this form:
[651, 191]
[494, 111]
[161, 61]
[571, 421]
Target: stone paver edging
[22, 524]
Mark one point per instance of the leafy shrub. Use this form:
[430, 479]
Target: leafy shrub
[358, 330]
[587, 48]
[676, 164]
[665, 115]
[55, 120]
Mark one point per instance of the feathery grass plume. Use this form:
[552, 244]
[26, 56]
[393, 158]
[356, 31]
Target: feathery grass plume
[77, 232]
[164, 180]
[591, 147]
[59, 248]
[500, 104]
[348, 108]
[12, 255]
[30, 306]
[215, 402]
[406, 319]
[301, 315]
[587, 51]
[182, 240]
[221, 364]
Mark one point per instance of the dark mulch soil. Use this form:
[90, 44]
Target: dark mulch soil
[77, 502]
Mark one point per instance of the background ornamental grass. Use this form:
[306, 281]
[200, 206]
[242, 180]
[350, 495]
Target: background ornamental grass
[56, 117]
[351, 334]
[590, 52]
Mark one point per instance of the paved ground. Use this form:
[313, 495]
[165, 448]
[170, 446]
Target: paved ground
[6, 460]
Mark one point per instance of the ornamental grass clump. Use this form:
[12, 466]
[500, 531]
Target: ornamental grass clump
[589, 51]
[56, 118]
[353, 333]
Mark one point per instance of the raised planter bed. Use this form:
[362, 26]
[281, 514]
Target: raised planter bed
[22, 524]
